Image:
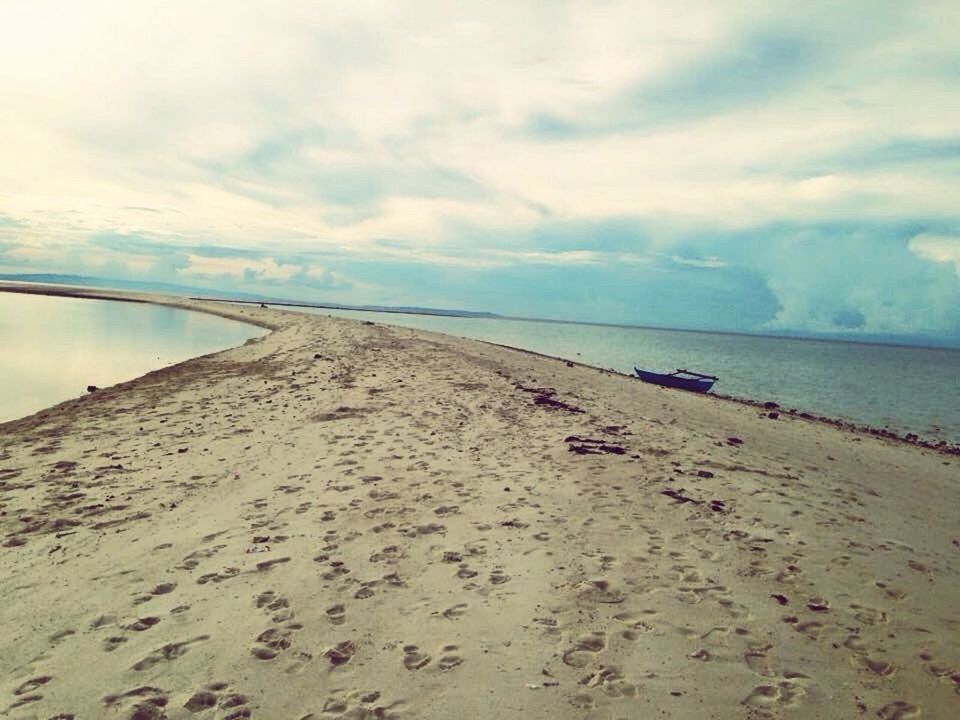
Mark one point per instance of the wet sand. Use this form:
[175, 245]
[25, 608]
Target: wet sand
[347, 520]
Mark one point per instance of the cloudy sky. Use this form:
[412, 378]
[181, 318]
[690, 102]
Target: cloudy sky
[761, 166]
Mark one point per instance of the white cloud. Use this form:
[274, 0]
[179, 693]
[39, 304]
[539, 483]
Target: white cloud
[264, 268]
[937, 248]
[155, 106]
[707, 262]
[331, 126]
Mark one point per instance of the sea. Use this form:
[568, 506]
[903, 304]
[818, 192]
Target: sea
[52, 348]
[898, 388]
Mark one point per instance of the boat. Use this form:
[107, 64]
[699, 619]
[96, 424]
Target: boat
[682, 379]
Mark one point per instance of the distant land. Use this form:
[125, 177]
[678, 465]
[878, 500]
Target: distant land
[398, 309]
[113, 284]
[208, 294]
[913, 340]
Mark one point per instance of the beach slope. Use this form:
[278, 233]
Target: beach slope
[348, 520]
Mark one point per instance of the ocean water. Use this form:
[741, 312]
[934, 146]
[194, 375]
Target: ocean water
[903, 389]
[51, 348]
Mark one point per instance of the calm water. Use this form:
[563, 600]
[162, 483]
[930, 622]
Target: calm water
[904, 389]
[51, 348]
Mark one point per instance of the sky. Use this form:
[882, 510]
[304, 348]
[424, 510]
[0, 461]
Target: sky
[754, 166]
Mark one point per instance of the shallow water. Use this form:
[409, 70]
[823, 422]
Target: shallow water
[51, 348]
[905, 389]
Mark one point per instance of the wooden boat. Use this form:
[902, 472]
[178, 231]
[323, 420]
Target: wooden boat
[682, 379]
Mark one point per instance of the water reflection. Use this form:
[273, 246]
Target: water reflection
[51, 348]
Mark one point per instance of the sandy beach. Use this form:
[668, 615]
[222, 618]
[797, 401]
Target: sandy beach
[347, 520]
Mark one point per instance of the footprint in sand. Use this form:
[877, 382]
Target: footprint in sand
[168, 652]
[210, 697]
[238, 714]
[112, 643]
[164, 588]
[200, 701]
[413, 659]
[921, 568]
[191, 561]
[609, 678]
[102, 621]
[498, 577]
[855, 643]
[358, 704]
[337, 614]
[734, 609]
[940, 669]
[428, 529]
[599, 591]
[394, 580]
[225, 574]
[786, 693]
[268, 564]
[811, 629]
[276, 604]
[755, 656]
[869, 615]
[788, 574]
[455, 612]
[24, 700]
[585, 649]
[465, 573]
[336, 570]
[144, 623]
[272, 641]
[390, 555]
[365, 591]
[450, 658]
[62, 635]
[582, 701]
[877, 667]
[635, 625]
[146, 703]
[899, 710]
[341, 653]
[32, 684]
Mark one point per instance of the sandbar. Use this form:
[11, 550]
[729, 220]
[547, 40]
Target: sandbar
[343, 519]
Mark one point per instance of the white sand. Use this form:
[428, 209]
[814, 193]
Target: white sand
[430, 547]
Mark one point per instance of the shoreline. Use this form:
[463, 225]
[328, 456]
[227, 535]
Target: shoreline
[913, 438]
[344, 519]
[768, 405]
[175, 301]
[209, 306]
[118, 375]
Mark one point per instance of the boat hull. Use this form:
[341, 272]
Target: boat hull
[682, 383]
